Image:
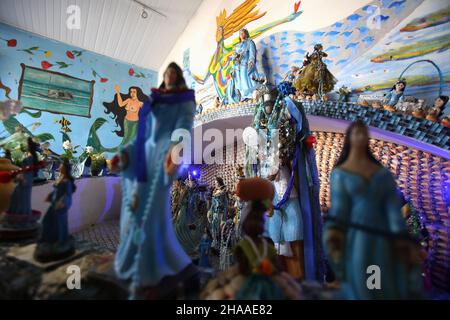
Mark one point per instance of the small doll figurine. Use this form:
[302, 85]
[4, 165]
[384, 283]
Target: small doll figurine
[218, 211]
[256, 274]
[437, 110]
[394, 96]
[315, 78]
[55, 242]
[446, 121]
[204, 249]
[20, 203]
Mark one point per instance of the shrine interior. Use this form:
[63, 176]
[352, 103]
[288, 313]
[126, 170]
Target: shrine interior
[224, 150]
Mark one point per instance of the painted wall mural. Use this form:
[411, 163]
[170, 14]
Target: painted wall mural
[367, 51]
[221, 63]
[70, 91]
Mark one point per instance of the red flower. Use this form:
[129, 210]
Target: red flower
[46, 65]
[309, 141]
[296, 6]
[70, 55]
[11, 43]
[103, 80]
[131, 72]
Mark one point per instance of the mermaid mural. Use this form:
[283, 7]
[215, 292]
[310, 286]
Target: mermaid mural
[125, 109]
[221, 64]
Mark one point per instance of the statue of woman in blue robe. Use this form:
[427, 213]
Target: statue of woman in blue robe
[241, 84]
[190, 221]
[218, 212]
[20, 215]
[55, 242]
[365, 232]
[149, 250]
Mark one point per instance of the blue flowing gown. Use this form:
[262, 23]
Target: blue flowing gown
[149, 249]
[373, 203]
[304, 210]
[55, 226]
[242, 79]
[20, 202]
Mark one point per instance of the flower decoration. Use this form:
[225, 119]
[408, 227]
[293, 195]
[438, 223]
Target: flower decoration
[67, 145]
[310, 141]
[10, 43]
[45, 65]
[102, 79]
[285, 88]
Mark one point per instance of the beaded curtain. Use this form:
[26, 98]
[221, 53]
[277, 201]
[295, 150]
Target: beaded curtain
[420, 176]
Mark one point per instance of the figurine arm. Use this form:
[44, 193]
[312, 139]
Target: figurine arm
[251, 55]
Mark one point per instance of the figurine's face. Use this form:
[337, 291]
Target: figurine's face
[133, 93]
[359, 137]
[438, 103]
[399, 86]
[170, 78]
[242, 35]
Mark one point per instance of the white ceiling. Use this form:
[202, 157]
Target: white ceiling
[113, 28]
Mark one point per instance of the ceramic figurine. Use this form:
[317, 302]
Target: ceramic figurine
[365, 226]
[20, 210]
[148, 249]
[315, 78]
[55, 242]
[227, 242]
[205, 249]
[256, 274]
[295, 224]
[190, 220]
[218, 211]
[394, 96]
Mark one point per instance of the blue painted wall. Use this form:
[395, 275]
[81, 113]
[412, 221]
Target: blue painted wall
[112, 71]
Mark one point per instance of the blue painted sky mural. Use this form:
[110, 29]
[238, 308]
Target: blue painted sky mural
[52, 56]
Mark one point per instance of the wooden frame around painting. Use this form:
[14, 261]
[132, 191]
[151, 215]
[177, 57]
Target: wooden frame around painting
[55, 92]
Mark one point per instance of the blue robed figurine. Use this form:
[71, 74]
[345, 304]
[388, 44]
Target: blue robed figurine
[55, 242]
[366, 233]
[396, 94]
[149, 250]
[241, 85]
[20, 215]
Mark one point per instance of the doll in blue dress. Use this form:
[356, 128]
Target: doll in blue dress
[395, 95]
[365, 227]
[218, 212]
[55, 242]
[20, 214]
[149, 250]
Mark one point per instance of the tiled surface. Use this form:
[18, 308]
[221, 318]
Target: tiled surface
[407, 125]
[105, 235]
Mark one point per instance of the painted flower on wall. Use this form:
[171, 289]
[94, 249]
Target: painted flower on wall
[10, 43]
[102, 79]
[47, 54]
[45, 65]
[131, 72]
[73, 53]
[30, 50]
